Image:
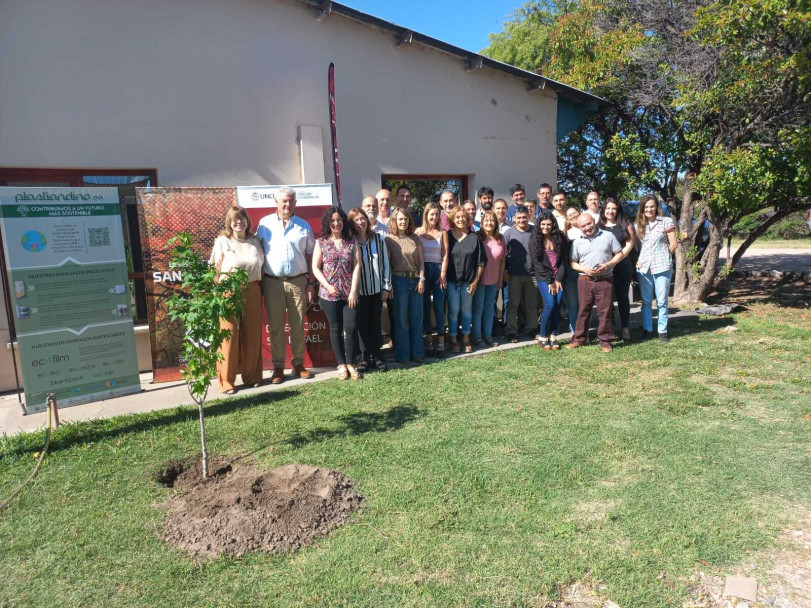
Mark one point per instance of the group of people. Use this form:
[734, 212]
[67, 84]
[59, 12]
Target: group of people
[440, 274]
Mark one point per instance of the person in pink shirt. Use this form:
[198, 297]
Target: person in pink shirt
[484, 300]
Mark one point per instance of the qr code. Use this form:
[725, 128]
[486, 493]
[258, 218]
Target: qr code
[98, 237]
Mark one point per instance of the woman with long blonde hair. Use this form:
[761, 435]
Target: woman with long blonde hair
[433, 250]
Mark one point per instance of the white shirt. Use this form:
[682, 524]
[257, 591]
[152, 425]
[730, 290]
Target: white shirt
[286, 248]
[380, 228]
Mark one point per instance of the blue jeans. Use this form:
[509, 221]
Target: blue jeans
[572, 301]
[484, 310]
[432, 272]
[648, 283]
[550, 317]
[407, 319]
[460, 308]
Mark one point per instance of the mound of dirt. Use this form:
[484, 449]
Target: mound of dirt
[241, 510]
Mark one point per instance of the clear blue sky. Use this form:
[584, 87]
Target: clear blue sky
[463, 24]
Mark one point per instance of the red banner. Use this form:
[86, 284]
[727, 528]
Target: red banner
[201, 211]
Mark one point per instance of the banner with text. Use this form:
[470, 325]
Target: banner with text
[201, 212]
[70, 296]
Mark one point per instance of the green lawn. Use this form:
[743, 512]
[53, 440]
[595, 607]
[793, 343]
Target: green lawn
[492, 481]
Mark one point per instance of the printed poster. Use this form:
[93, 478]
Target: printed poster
[70, 296]
[201, 211]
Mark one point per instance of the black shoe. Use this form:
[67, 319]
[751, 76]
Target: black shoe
[512, 338]
[663, 338]
[646, 335]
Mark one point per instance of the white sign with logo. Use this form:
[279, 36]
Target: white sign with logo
[307, 195]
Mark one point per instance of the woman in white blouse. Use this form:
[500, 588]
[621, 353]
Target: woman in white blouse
[238, 248]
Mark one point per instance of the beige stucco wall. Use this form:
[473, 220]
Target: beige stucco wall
[213, 94]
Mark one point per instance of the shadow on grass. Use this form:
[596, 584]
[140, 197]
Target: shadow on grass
[697, 325]
[359, 423]
[90, 431]
[786, 292]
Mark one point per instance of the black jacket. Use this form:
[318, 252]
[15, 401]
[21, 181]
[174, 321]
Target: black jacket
[543, 269]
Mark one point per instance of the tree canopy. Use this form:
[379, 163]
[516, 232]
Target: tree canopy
[711, 100]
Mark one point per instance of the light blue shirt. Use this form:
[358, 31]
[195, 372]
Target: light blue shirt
[286, 249]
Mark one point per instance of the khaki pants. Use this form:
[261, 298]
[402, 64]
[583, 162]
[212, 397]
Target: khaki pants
[245, 342]
[286, 297]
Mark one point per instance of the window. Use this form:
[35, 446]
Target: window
[426, 188]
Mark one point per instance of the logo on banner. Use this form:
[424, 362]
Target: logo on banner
[34, 241]
[22, 210]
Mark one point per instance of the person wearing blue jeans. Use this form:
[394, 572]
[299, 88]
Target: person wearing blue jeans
[484, 300]
[484, 314]
[649, 285]
[407, 319]
[462, 270]
[549, 250]
[408, 281]
[657, 238]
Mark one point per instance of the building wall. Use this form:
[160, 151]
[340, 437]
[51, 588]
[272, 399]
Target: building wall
[212, 94]
[216, 94]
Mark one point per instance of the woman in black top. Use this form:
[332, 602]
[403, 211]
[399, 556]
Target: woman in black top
[461, 270]
[613, 219]
[549, 251]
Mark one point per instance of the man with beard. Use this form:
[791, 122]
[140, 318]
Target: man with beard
[370, 208]
[447, 201]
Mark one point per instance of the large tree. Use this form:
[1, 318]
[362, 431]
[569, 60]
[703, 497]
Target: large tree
[710, 108]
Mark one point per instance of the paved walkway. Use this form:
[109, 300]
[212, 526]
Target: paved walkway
[174, 394]
[785, 260]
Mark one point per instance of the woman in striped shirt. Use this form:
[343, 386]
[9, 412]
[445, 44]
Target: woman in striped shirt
[374, 289]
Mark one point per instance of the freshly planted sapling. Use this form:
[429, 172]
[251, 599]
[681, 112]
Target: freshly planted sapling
[206, 296]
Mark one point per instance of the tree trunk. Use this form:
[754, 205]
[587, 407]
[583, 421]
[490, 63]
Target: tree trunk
[695, 278]
[681, 274]
[757, 232]
[203, 439]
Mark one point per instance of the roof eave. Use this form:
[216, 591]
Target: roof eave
[534, 81]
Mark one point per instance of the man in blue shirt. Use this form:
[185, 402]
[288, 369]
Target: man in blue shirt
[287, 287]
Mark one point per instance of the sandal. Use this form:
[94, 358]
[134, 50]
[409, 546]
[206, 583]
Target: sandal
[480, 343]
[454, 346]
[491, 342]
[353, 372]
[544, 343]
[229, 391]
[381, 365]
[466, 345]
[553, 343]
[361, 365]
[343, 373]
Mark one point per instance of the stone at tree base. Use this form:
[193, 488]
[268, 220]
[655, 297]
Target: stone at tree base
[743, 587]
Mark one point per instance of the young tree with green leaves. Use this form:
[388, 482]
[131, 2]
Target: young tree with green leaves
[206, 297]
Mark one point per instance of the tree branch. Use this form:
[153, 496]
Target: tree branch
[757, 232]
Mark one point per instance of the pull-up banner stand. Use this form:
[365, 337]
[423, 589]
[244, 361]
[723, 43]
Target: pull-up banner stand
[201, 212]
[70, 297]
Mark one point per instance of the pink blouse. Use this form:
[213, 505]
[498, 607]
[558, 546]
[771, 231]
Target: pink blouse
[495, 252]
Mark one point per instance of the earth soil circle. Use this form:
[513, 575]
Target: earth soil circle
[242, 510]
